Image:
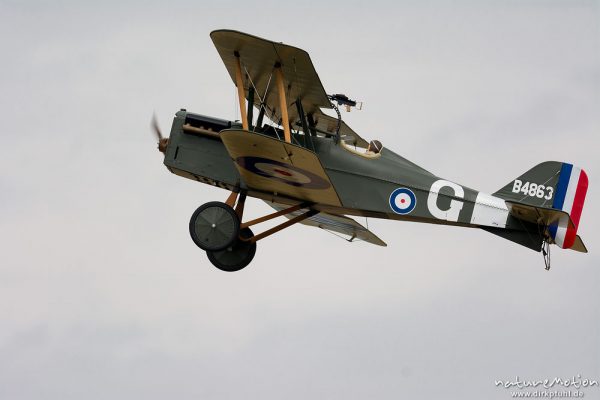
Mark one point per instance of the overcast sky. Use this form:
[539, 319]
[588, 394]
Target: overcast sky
[104, 295]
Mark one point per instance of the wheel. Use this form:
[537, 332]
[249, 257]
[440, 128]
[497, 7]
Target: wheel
[236, 256]
[214, 226]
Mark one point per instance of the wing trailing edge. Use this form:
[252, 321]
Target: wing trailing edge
[336, 223]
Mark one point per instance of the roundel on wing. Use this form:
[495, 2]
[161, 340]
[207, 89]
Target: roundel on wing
[282, 172]
[403, 201]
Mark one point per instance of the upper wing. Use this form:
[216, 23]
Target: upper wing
[327, 125]
[258, 57]
[336, 223]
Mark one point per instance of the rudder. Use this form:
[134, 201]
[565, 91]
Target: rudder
[570, 196]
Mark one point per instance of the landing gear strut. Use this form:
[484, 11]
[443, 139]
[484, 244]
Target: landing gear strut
[230, 245]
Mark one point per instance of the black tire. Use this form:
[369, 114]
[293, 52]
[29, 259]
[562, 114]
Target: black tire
[214, 226]
[236, 256]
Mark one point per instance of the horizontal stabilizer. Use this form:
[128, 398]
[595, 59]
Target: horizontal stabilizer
[538, 215]
[336, 223]
[578, 245]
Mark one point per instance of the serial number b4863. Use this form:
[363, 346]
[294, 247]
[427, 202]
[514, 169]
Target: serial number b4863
[533, 189]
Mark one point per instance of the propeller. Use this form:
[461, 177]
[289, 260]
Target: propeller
[162, 141]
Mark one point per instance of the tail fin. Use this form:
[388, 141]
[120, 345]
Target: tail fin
[554, 192]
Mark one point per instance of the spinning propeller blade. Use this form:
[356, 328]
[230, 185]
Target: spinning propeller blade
[162, 141]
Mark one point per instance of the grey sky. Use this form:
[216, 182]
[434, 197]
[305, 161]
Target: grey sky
[104, 295]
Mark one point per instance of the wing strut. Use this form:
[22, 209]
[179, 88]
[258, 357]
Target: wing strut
[285, 120]
[307, 136]
[250, 105]
[241, 92]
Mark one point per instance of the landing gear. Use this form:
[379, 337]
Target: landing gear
[230, 245]
[214, 226]
[236, 256]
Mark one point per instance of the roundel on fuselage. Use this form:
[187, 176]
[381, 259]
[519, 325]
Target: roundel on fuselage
[403, 201]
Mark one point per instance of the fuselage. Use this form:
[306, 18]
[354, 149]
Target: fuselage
[386, 186]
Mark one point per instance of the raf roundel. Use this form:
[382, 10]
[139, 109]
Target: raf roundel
[285, 173]
[403, 201]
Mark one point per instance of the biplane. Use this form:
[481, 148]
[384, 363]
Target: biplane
[312, 168]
